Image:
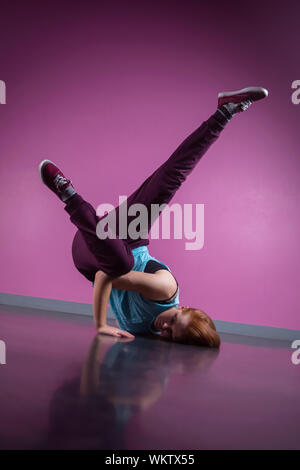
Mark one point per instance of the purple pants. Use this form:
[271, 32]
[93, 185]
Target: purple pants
[113, 256]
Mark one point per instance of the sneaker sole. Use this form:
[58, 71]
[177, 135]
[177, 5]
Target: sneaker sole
[252, 89]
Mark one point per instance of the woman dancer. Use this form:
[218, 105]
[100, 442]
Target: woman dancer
[141, 290]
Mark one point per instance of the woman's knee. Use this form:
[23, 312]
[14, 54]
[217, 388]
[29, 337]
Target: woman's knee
[122, 266]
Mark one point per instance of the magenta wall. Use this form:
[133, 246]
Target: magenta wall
[108, 92]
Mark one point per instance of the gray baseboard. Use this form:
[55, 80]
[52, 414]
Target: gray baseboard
[53, 305]
[45, 304]
[258, 331]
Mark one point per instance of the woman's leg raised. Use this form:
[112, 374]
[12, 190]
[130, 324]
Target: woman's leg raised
[110, 255]
[160, 187]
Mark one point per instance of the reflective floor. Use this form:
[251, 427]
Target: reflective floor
[65, 388]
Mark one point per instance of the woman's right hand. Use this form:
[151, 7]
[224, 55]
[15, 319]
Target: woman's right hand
[113, 331]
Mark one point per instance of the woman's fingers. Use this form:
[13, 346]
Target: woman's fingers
[116, 332]
[126, 334]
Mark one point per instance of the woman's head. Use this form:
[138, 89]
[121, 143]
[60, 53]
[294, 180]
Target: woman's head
[188, 325]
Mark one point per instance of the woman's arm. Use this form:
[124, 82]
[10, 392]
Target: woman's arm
[160, 285]
[102, 290]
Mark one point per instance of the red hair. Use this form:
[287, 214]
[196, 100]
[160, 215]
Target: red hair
[201, 329]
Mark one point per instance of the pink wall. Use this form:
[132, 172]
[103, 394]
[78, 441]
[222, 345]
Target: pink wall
[108, 92]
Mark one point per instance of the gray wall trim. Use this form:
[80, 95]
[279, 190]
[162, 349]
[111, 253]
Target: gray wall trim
[45, 304]
[258, 331]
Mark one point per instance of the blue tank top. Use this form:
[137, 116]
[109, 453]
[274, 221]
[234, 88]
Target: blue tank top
[133, 312]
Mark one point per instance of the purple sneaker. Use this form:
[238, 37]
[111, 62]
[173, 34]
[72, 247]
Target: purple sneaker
[243, 97]
[55, 180]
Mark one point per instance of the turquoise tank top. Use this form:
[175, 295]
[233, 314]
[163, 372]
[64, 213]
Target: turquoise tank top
[133, 312]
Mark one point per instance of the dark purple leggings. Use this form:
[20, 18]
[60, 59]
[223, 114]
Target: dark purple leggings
[113, 256]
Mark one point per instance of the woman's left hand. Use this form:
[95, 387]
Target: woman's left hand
[113, 331]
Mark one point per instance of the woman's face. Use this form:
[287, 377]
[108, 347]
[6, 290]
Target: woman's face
[172, 323]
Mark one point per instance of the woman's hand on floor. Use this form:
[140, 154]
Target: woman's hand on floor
[113, 331]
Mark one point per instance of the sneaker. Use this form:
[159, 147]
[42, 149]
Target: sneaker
[243, 97]
[55, 180]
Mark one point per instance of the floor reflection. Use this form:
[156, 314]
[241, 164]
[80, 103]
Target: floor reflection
[62, 390]
[120, 378]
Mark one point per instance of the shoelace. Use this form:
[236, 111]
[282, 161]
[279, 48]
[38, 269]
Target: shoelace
[245, 105]
[59, 181]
